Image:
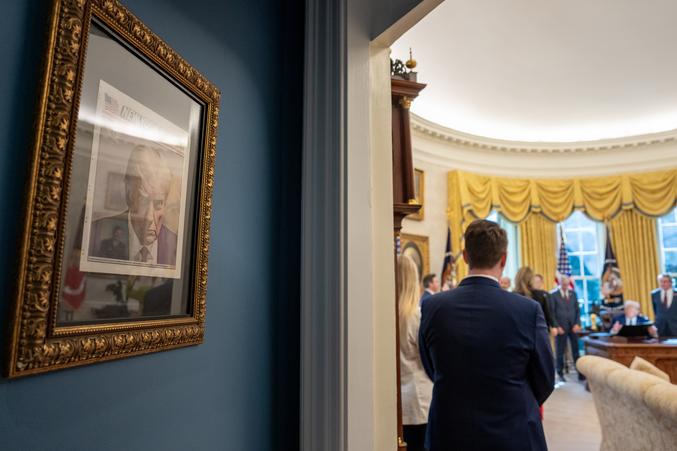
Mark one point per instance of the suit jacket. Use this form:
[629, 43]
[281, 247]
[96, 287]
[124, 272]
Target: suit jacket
[565, 313]
[666, 319]
[488, 353]
[543, 298]
[424, 297]
[102, 230]
[640, 320]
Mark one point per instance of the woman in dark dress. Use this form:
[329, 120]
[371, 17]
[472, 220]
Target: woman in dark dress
[524, 286]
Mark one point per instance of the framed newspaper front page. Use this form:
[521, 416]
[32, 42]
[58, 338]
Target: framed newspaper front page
[113, 260]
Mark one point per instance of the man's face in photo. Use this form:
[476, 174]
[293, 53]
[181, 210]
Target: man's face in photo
[147, 190]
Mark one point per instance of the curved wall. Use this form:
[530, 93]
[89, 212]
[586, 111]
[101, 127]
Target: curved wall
[438, 150]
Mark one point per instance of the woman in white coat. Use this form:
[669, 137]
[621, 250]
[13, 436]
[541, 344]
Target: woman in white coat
[416, 387]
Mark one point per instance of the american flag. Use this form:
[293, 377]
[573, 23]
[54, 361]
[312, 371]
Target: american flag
[110, 105]
[563, 265]
[448, 257]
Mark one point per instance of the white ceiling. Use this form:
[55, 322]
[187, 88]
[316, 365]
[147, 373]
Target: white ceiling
[547, 70]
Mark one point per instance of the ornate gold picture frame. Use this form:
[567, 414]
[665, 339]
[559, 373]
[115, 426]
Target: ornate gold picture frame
[112, 266]
[419, 187]
[416, 247]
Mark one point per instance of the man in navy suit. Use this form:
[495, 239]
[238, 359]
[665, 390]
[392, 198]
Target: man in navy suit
[430, 286]
[488, 354]
[664, 302]
[631, 317]
[567, 315]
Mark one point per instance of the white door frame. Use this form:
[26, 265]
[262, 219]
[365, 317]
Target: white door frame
[348, 395]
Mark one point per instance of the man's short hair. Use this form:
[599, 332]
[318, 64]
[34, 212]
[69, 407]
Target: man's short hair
[148, 162]
[428, 279]
[485, 243]
[634, 304]
[664, 276]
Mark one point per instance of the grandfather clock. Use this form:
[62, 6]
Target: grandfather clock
[404, 89]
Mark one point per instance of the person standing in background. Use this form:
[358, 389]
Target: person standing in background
[505, 283]
[415, 385]
[664, 306]
[488, 353]
[567, 316]
[524, 286]
[538, 282]
[430, 286]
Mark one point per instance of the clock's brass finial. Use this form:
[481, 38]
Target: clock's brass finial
[411, 62]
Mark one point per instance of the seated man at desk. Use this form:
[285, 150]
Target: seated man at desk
[631, 317]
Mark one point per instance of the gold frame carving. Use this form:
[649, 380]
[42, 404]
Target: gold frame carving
[420, 198]
[421, 243]
[36, 344]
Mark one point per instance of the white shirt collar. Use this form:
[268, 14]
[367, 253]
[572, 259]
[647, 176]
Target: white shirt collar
[135, 245]
[429, 291]
[669, 294]
[486, 276]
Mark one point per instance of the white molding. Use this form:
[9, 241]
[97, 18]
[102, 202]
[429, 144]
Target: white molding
[434, 130]
[323, 294]
[451, 150]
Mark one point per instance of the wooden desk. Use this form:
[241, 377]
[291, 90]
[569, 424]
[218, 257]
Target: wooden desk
[660, 352]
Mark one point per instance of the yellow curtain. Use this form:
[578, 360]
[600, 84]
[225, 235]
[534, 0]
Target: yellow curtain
[472, 196]
[538, 247]
[634, 240]
[602, 198]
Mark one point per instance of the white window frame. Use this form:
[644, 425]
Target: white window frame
[600, 239]
[514, 261]
[660, 224]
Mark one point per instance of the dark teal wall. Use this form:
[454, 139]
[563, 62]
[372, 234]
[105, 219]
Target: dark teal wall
[239, 390]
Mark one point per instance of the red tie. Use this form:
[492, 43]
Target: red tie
[665, 299]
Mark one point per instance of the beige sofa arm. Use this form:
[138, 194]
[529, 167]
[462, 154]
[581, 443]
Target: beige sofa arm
[640, 364]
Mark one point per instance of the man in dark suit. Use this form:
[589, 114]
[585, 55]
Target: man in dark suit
[665, 306]
[430, 286]
[114, 247]
[141, 227]
[567, 316]
[631, 317]
[488, 354]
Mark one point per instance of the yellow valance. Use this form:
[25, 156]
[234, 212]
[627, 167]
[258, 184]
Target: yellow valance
[602, 198]
[472, 196]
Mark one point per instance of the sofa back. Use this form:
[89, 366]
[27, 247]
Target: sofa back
[637, 411]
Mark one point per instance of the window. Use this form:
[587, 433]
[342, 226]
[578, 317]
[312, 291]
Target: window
[667, 242]
[585, 245]
[513, 263]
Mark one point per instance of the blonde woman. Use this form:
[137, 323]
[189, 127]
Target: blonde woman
[416, 387]
[524, 285]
